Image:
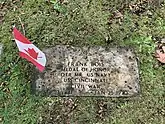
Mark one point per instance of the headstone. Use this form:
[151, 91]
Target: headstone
[88, 71]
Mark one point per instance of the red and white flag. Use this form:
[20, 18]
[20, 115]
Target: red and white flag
[29, 51]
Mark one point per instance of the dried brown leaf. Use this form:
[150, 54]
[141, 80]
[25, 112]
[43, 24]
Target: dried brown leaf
[160, 56]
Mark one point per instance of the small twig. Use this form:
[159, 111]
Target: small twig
[22, 25]
[23, 102]
[17, 60]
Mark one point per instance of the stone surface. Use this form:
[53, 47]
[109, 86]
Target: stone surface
[88, 71]
[1, 49]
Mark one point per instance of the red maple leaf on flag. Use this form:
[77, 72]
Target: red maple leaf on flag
[32, 53]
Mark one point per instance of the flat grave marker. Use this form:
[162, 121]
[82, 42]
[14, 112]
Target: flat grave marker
[88, 71]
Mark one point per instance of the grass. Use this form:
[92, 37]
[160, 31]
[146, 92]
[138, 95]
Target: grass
[86, 22]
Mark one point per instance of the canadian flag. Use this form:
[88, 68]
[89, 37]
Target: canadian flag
[29, 51]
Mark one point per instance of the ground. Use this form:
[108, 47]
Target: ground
[134, 23]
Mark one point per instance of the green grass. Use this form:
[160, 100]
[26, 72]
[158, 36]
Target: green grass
[84, 23]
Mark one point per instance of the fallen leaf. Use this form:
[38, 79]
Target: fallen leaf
[163, 48]
[163, 40]
[160, 56]
[118, 14]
